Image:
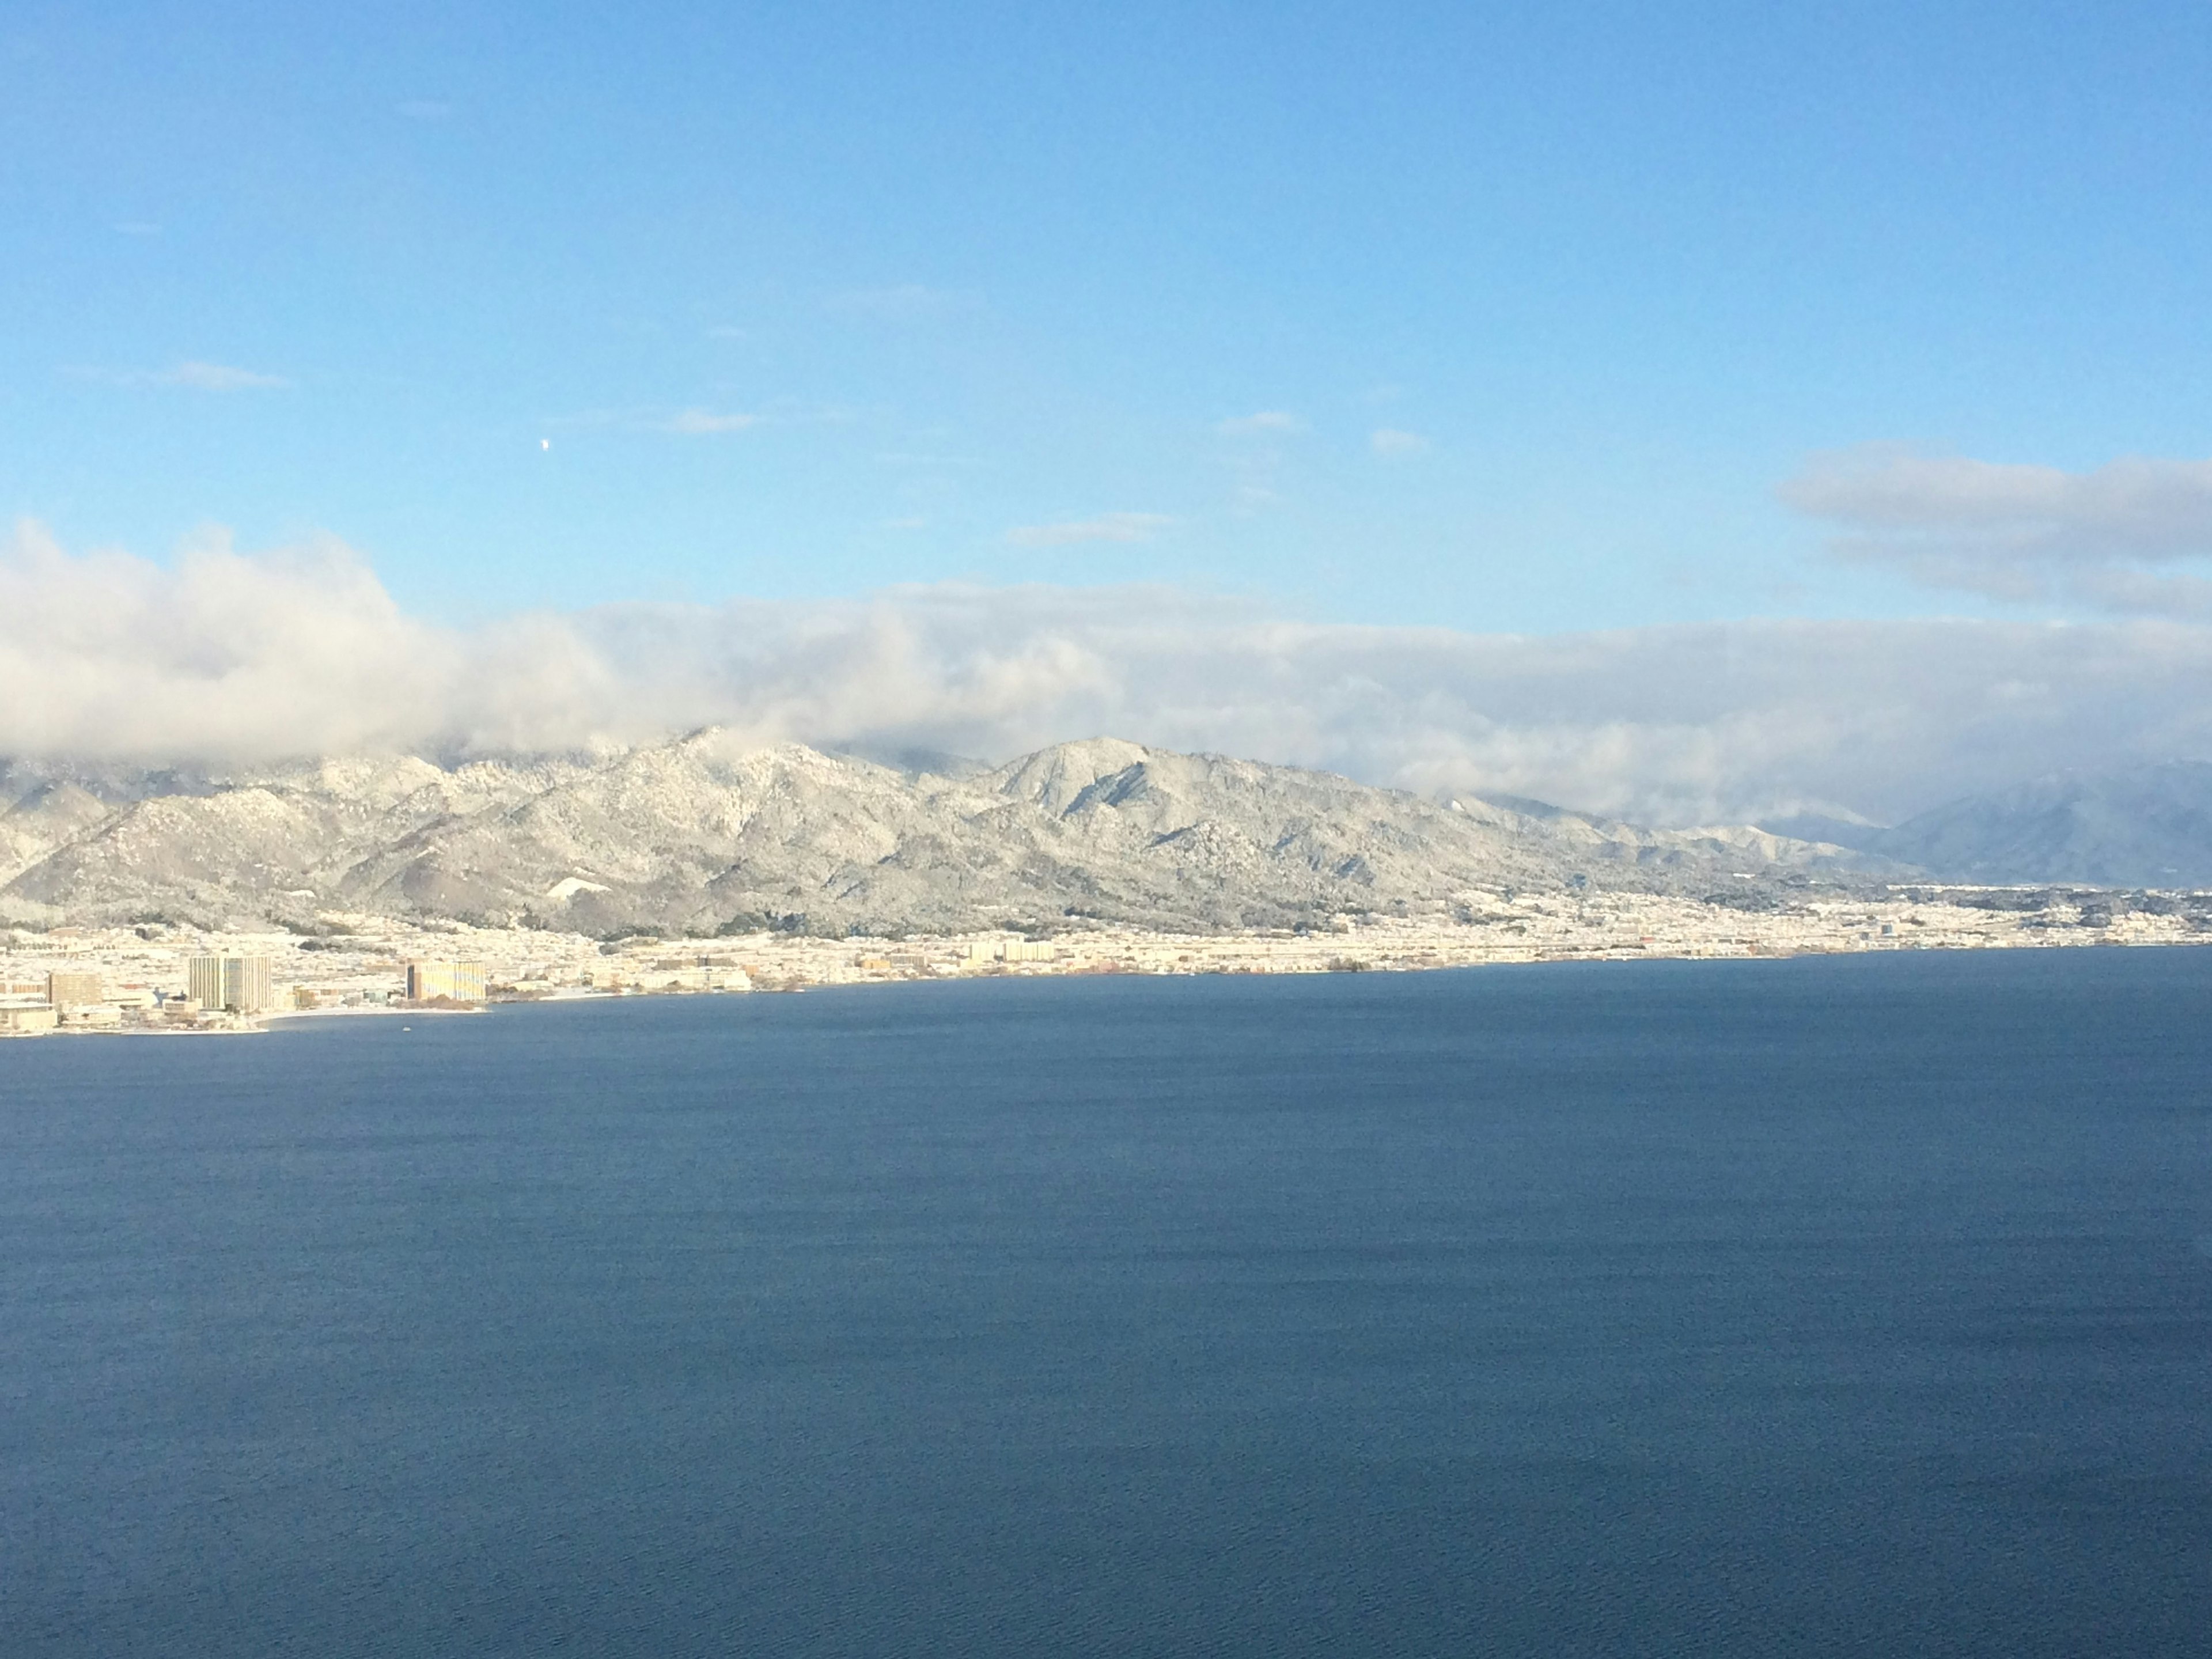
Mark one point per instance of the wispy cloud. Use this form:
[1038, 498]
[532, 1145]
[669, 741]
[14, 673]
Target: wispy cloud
[903, 301]
[1267, 423]
[704, 422]
[194, 375]
[1106, 527]
[226, 655]
[2108, 538]
[1255, 463]
[1392, 443]
[220, 377]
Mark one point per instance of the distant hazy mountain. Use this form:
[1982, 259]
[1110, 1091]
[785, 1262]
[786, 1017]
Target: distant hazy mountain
[2148, 826]
[1855, 833]
[700, 835]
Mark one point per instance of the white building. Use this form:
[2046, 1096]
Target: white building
[26, 1018]
[238, 985]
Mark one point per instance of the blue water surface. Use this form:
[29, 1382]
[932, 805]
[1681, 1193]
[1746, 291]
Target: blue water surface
[1853, 1305]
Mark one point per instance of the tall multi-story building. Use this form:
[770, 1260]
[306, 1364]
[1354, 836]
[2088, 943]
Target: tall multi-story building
[75, 990]
[239, 985]
[455, 981]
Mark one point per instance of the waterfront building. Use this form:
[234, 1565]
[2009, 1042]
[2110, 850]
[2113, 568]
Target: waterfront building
[238, 985]
[26, 1018]
[75, 990]
[1008, 951]
[454, 982]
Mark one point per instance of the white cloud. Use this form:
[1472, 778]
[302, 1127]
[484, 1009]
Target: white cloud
[1390, 441]
[1267, 423]
[218, 377]
[703, 422]
[223, 655]
[2020, 532]
[1106, 527]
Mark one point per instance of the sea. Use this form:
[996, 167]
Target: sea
[1836, 1305]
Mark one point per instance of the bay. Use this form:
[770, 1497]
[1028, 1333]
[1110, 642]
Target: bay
[1834, 1305]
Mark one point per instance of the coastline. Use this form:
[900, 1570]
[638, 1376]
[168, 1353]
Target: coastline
[349, 970]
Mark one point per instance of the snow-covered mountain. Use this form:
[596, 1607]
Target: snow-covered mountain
[703, 834]
[2145, 826]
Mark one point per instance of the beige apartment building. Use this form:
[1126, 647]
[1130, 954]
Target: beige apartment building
[454, 982]
[75, 990]
[238, 985]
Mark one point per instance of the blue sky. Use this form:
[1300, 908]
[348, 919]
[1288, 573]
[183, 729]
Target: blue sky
[1500, 319]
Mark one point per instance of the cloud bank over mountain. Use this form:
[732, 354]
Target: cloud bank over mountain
[224, 656]
[2133, 537]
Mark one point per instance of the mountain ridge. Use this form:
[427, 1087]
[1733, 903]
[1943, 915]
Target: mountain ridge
[703, 833]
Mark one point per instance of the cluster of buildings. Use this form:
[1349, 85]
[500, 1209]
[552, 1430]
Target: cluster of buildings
[219, 993]
[65, 1000]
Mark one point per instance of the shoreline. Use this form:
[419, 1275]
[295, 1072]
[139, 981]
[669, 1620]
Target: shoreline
[351, 968]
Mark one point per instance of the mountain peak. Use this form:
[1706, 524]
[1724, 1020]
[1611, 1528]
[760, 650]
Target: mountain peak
[707, 833]
[1054, 779]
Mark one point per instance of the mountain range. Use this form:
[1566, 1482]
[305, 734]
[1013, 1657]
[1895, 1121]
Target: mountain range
[2140, 826]
[704, 833]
